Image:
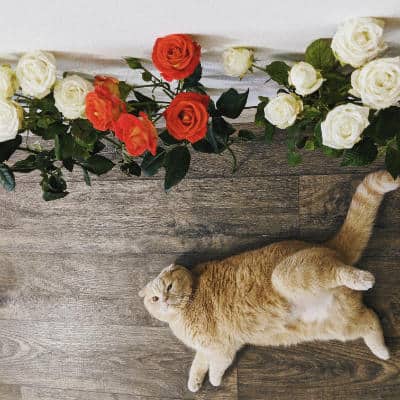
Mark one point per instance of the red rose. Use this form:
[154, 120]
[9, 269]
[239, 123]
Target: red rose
[109, 83]
[138, 133]
[103, 108]
[176, 56]
[187, 116]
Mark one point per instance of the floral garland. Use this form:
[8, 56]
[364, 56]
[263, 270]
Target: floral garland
[340, 99]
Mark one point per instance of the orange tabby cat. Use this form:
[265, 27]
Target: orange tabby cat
[282, 294]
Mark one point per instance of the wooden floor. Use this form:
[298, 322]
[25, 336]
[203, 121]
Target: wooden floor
[72, 326]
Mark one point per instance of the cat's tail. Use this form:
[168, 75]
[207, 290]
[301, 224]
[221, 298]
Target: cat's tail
[353, 236]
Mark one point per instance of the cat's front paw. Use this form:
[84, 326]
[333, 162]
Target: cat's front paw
[194, 383]
[215, 380]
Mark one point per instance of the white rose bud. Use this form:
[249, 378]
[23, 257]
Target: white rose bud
[237, 61]
[305, 78]
[344, 125]
[8, 82]
[11, 115]
[358, 41]
[70, 94]
[377, 83]
[36, 72]
[282, 111]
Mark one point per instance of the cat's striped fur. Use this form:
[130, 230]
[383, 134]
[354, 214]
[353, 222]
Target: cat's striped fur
[281, 294]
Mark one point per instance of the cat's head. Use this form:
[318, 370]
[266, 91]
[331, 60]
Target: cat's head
[167, 294]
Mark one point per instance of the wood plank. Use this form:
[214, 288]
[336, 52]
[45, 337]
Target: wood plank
[324, 201]
[43, 393]
[102, 289]
[10, 392]
[115, 218]
[384, 298]
[254, 159]
[329, 371]
[147, 362]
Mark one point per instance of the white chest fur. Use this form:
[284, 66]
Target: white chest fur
[312, 308]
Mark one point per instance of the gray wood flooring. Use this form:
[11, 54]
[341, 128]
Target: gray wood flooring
[72, 326]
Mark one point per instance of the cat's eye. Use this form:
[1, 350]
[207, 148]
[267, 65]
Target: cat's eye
[169, 287]
[154, 299]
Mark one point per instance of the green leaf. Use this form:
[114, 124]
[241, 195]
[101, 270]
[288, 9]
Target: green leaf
[7, 177]
[203, 146]
[124, 89]
[64, 146]
[310, 145]
[98, 147]
[9, 147]
[83, 133]
[211, 138]
[134, 63]
[27, 165]
[68, 163]
[50, 196]
[146, 76]
[193, 80]
[151, 164]
[334, 153]
[131, 168]
[176, 163]
[269, 133]
[86, 176]
[98, 164]
[167, 139]
[335, 88]
[50, 133]
[231, 103]
[318, 135]
[310, 114]
[53, 186]
[218, 133]
[246, 135]
[320, 55]
[278, 72]
[363, 153]
[259, 118]
[142, 98]
[293, 158]
[392, 161]
[385, 125]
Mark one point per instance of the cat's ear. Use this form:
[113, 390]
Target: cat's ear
[171, 267]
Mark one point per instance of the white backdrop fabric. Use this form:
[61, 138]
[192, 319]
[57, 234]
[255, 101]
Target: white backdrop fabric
[92, 36]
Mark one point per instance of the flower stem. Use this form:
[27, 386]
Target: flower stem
[257, 67]
[234, 160]
[27, 149]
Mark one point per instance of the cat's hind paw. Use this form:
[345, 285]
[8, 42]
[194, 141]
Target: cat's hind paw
[381, 352]
[215, 380]
[358, 280]
[194, 385]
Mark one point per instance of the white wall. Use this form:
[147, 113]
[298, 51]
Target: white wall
[74, 29]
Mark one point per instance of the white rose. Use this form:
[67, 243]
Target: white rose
[8, 82]
[237, 61]
[358, 41]
[36, 72]
[344, 125]
[305, 78]
[10, 119]
[377, 84]
[70, 94]
[282, 111]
